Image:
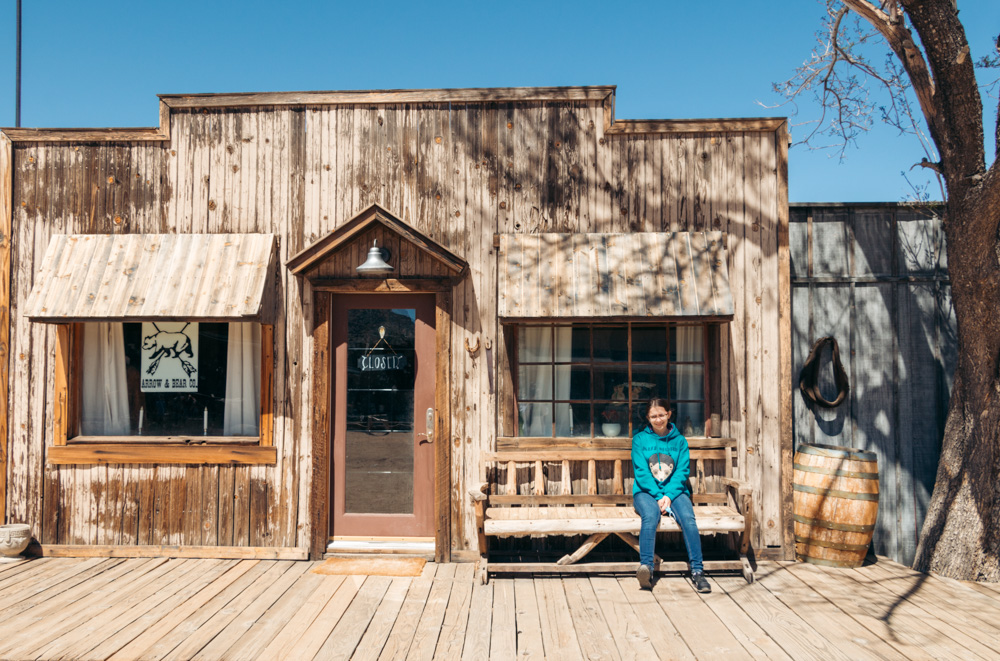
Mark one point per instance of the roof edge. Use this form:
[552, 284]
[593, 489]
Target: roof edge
[378, 97]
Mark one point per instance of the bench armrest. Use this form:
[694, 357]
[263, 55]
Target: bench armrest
[742, 488]
[480, 493]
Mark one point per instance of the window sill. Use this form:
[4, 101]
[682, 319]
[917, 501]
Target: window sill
[159, 453]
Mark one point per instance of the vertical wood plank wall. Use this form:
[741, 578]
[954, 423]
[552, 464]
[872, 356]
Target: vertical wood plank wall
[875, 278]
[458, 173]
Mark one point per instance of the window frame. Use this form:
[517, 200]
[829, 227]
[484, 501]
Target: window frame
[69, 447]
[710, 362]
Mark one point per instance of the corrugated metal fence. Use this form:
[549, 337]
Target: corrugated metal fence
[874, 276]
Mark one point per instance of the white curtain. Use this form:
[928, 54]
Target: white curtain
[242, 411]
[105, 391]
[537, 380]
[690, 383]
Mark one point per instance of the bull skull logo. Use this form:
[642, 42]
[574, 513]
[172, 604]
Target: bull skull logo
[170, 344]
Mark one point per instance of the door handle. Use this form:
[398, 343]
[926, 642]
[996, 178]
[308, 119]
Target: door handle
[429, 419]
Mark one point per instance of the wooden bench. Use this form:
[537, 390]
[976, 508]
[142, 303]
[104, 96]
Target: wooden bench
[569, 506]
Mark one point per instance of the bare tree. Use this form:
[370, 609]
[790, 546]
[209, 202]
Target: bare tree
[932, 92]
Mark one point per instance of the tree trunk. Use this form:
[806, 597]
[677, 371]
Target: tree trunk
[961, 533]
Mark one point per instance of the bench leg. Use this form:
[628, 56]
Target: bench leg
[584, 549]
[633, 541]
[483, 570]
[747, 569]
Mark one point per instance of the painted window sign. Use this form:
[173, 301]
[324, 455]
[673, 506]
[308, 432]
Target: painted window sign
[169, 357]
[377, 361]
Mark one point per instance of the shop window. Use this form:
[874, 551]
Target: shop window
[592, 380]
[121, 387]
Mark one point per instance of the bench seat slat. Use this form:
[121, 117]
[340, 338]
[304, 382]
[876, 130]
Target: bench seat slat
[706, 512]
[524, 527]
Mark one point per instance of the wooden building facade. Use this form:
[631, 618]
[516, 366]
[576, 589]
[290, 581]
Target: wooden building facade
[508, 215]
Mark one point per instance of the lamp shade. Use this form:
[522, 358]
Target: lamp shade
[375, 262]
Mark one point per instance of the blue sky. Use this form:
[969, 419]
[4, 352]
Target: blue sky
[102, 64]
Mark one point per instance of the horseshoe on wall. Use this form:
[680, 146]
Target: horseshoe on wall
[809, 377]
[472, 350]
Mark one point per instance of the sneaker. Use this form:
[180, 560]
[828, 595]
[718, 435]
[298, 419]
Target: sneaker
[700, 583]
[645, 576]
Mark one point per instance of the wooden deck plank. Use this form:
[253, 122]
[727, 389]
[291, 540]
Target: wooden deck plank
[456, 617]
[662, 633]
[503, 633]
[141, 596]
[245, 618]
[930, 612]
[529, 625]
[900, 632]
[962, 596]
[783, 625]
[705, 634]
[303, 617]
[405, 626]
[62, 615]
[36, 627]
[183, 610]
[30, 572]
[31, 594]
[344, 637]
[318, 631]
[559, 639]
[630, 638]
[380, 628]
[148, 615]
[821, 614]
[232, 609]
[725, 603]
[597, 641]
[480, 628]
[202, 627]
[426, 637]
[279, 614]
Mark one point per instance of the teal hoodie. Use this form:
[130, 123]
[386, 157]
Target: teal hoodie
[668, 456]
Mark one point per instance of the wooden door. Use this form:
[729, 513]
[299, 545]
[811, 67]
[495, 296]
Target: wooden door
[383, 452]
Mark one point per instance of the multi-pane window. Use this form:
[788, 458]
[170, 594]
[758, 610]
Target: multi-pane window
[594, 379]
[169, 379]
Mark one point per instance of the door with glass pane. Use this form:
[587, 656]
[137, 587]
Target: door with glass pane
[383, 457]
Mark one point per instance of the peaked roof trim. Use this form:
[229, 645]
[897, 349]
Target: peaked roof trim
[315, 254]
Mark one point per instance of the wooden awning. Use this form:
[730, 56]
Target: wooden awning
[137, 277]
[643, 274]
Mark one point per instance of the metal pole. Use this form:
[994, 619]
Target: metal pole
[17, 111]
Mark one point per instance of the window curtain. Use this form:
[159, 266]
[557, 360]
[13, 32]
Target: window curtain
[541, 383]
[105, 391]
[690, 379]
[241, 416]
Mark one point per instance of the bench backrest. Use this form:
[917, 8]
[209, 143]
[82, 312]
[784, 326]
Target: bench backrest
[562, 472]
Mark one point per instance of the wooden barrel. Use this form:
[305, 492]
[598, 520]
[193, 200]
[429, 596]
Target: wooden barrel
[836, 502]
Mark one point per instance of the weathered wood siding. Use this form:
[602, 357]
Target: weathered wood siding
[875, 278]
[459, 173]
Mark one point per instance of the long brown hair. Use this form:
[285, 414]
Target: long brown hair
[662, 403]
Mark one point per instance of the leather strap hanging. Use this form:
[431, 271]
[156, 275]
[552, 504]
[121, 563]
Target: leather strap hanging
[809, 376]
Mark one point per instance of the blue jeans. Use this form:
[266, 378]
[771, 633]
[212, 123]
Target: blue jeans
[649, 512]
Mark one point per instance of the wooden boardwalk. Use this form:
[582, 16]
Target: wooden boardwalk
[99, 608]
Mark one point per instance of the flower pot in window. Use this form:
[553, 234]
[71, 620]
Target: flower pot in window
[611, 428]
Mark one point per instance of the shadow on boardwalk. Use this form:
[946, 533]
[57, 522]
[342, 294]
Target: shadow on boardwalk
[227, 609]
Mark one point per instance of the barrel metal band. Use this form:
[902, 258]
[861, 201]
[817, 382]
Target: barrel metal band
[830, 545]
[830, 525]
[826, 563]
[856, 455]
[834, 493]
[838, 473]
